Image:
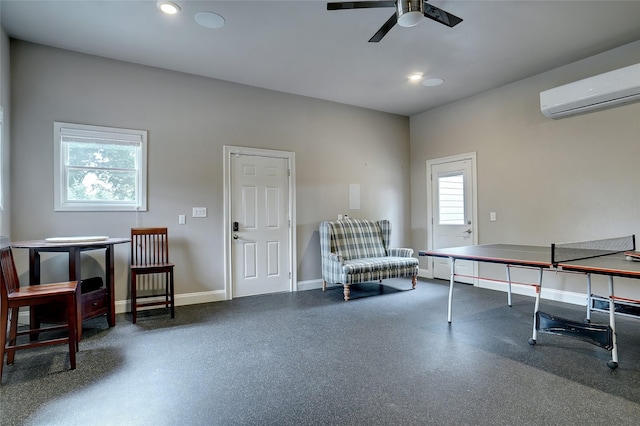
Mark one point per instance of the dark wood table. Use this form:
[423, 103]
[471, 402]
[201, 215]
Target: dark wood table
[94, 303]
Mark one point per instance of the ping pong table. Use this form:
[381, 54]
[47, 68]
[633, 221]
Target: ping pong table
[607, 257]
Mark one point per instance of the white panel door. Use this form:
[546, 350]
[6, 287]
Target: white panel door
[452, 215]
[260, 213]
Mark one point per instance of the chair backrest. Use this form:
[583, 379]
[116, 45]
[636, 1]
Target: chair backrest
[9, 281]
[149, 246]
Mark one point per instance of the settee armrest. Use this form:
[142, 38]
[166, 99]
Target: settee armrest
[401, 252]
[335, 257]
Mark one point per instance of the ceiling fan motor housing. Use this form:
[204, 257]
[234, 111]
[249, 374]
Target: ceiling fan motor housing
[410, 12]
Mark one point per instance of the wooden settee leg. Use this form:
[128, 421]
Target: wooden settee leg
[347, 291]
[414, 281]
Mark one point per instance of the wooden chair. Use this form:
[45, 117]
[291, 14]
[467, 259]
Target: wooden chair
[13, 297]
[150, 255]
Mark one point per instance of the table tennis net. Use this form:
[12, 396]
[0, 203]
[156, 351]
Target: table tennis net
[567, 252]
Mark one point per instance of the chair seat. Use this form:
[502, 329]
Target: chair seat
[43, 290]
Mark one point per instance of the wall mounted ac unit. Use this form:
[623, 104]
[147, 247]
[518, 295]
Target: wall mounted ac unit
[598, 92]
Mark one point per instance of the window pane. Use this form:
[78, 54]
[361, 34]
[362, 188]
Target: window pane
[96, 185]
[451, 201]
[101, 155]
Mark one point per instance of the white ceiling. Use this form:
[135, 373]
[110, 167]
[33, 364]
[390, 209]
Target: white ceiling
[299, 47]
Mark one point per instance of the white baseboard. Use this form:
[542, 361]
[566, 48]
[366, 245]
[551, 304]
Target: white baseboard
[425, 273]
[527, 290]
[123, 306]
[310, 284]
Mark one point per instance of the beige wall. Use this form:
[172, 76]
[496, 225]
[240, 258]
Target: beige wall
[571, 179]
[189, 120]
[548, 180]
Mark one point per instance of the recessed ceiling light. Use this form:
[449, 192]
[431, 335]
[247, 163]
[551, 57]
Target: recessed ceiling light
[210, 20]
[415, 76]
[168, 7]
[430, 82]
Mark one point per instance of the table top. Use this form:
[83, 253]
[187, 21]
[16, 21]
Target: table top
[538, 256]
[511, 254]
[43, 244]
[613, 264]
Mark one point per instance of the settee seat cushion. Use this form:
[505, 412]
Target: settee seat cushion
[372, 264]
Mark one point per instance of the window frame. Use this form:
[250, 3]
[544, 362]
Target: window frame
[137, 137]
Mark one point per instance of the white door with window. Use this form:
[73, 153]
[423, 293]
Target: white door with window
[260, 225]
[452, 211]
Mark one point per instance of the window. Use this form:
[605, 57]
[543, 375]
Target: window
[451, 190]
[99, 168]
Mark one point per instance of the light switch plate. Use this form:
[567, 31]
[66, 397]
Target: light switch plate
[182, 219]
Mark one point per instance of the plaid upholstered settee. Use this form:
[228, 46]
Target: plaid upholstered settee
[357, 251]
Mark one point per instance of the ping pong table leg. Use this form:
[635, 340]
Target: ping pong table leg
[452, 263]
[612, 323]
[509, 285]
[588, 298]
[536, 308]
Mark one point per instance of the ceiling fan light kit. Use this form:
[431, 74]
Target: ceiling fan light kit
[408, 13]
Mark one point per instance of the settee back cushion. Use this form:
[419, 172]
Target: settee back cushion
[356, 238]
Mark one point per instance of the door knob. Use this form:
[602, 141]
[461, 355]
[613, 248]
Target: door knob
[235, 236]
[468, 231]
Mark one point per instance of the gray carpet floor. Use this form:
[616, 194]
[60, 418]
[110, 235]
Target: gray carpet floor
[387, 357]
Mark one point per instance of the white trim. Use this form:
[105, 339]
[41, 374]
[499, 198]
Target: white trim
[135, 137]
[474, 207]
[527, 290]
[311, 285]
[124, 306]
[291, 159]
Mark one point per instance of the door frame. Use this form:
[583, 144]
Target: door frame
[228, 258]
[474, 206]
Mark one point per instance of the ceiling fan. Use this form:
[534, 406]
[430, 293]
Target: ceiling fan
[408, 13]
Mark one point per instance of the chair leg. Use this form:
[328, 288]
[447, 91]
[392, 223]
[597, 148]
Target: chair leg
[13, 333]
[173, 301]
[414, 281]
[72, 322]
[133, 297]
[78, 300]
[34, 322]
[4, 319]
[324, 285]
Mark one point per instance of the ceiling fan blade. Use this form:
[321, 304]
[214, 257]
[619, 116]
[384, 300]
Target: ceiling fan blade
[384, 29]
[441, 16]
[359, 4]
